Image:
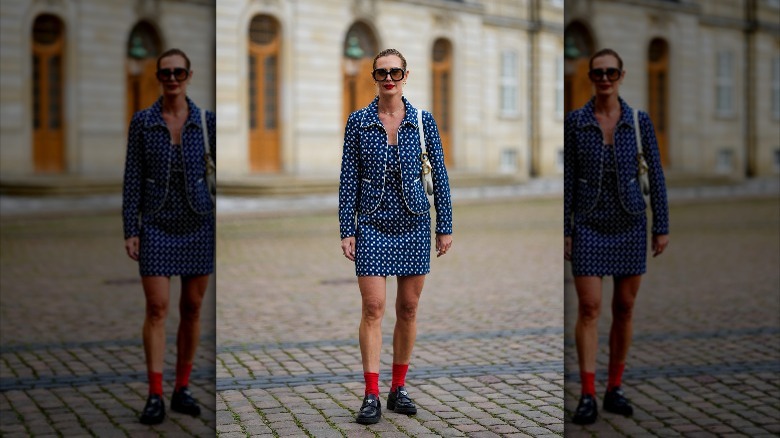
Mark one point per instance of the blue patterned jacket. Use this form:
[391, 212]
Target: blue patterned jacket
[362, 182]
[148, 164]
[584, 161]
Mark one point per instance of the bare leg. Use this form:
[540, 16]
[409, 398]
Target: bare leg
[586, 330]
[409, 291]
[626, 289]
[373, 292]
[156, 290]
[192, 291]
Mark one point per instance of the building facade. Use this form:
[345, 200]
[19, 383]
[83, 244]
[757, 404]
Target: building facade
[289, 73]
[707, 72]
[73, 73]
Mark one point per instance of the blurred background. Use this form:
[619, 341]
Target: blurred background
[73, 75]
[707, 72]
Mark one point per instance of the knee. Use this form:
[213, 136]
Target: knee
[622, 310]
[589, 311]
[373, 309]
[406, 312]
[156, 312]
[189, 310]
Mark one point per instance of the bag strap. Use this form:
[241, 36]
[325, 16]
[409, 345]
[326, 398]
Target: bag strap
[638, 133]
[205, 129]
[422, 131]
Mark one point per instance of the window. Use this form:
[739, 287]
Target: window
[776, 87]
[724, 84]
[509, 84]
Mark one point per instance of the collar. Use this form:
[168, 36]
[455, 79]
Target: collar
[587, 116]
[372, 114]
[154, 114]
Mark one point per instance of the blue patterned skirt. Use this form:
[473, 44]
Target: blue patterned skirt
[175, 240]
[392, 240]
[608, 240]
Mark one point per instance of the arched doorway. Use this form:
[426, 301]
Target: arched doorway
[578, 47]
[442, 94]
[265, 43]
[143, 47]
[360, 47]
[658, 92]
[48, 47]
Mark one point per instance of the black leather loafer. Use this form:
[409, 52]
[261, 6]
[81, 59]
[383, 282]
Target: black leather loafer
[399, 402]
[615, 401]
[183, 402]
[370, 410]
[587, 411]
[154, 411]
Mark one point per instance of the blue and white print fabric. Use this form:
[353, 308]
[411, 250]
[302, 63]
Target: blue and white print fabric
[599, 177]
[390, 240]
[166, 200]
[364, 186]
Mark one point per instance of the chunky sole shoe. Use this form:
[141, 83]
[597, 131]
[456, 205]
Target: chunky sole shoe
[183, 402]
[370, 410]
[154, 410]
[587, 411]
[399, 402]
[615, 401]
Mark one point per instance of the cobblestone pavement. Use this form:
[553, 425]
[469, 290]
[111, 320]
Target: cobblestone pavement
[705, 360]
[71, 312]
[487, 361]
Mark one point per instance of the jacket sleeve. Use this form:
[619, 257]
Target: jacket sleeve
[569, 171]
[211, 123]
[441, 184]
[348, 182]
[131, 189]
[658, 201]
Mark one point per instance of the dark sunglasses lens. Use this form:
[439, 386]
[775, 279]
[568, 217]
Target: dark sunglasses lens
[612, 74]
[396, 74]
[179, 74]
[380, 74]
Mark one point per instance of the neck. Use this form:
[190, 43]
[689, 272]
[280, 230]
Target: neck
[607, 104]
[174, 104]
[390, 104]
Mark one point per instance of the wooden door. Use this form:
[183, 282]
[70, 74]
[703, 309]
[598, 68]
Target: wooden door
[442, 95]
[359, 88]
[48, 71]
[143, 89]
[577, 86]
[264, 115]
[657, 80]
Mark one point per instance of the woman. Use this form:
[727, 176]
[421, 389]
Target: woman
[169, 224]
[385, 222]
[605, 226]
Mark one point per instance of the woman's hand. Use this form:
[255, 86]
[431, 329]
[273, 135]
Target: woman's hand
[567, 248]
[131, 246]
[660, 242]
[443, 244]
[348, 247]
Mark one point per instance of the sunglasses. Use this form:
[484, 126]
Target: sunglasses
[612, 73]
[396, 74]
[178, 73]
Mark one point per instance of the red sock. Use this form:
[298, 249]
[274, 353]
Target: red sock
[183, 375]
[615, 375]
[372, 383]
[588, 383]
[155, 383]
[399, 375]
